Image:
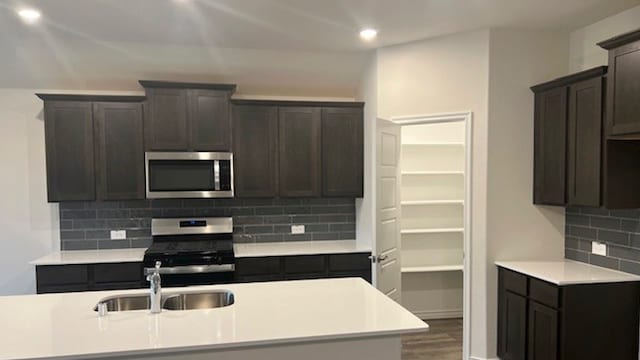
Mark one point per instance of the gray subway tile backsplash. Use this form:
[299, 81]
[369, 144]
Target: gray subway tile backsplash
[87, 225]
[620, 229]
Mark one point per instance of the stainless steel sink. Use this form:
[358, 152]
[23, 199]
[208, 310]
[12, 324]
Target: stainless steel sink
[181, 301]
[199, 300]
[126, 303]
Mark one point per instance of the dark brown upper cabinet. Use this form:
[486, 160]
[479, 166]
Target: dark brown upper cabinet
[93, 147]
[165, 124]
[623, 107]
[550, 146]
[299, 130]
[298, 148]
[584, 150]
[342, 152]
[568, 140]
[69, 147]
[118, 151]
[255, 141]
[187, 116]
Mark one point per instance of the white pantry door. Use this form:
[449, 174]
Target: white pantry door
[387, 249]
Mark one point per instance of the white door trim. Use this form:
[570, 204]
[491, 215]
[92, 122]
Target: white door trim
[467, 118]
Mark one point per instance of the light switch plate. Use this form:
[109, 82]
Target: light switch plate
[599, 248]
[118, 234]
[297, 229]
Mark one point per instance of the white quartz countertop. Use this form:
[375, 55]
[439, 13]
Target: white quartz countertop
[64, 326]
[567, 272]
[241, 250]
[90, 257]
[299, 248]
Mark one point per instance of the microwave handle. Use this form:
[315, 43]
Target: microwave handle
[216, 175]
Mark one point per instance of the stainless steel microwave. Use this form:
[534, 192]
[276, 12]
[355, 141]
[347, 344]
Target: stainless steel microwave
[189, 175]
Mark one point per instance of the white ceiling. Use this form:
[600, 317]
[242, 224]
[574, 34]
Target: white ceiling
[296, 24]
[113, 33]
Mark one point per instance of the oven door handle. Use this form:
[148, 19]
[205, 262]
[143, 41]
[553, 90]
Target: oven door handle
[193, 269]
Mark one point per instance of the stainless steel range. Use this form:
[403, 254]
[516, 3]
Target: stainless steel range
[195, 251]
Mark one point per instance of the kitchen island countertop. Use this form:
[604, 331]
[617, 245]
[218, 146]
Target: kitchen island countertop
[64, 326]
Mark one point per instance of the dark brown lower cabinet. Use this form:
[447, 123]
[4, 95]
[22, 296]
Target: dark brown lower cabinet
[542, 321]
[276, 268]
[542, 332]
[89, 277]
[513, 322]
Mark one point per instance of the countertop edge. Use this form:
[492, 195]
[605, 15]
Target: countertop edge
[625, 277]
[139, 253]
[245, 344]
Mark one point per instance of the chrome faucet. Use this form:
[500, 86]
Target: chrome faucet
[156, 289]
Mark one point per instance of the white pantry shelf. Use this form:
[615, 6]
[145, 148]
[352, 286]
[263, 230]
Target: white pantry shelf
[433, 268]
[432, 173]
[432, 231]
[437, 144]
[432, 202]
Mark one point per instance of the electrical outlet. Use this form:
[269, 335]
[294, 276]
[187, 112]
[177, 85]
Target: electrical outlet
[297, 229]
[599, 248]
[118, 234]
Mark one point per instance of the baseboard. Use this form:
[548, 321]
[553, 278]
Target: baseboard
[438, 314]
[479, 358]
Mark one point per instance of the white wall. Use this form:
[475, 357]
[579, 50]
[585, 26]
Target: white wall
[29, 224]
[448, 74]
[488, 73]
[584, 53]
[516, 229]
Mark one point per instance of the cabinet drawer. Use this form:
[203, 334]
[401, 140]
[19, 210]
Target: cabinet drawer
[514, 282]
[305, 264]
[62, 274]
[544, 293]
[349, 262]
[258, 266]
[116, 273]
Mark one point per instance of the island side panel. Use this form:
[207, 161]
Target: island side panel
[377, 348]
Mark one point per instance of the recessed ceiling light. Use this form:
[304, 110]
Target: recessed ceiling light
[29, 15]
[368, 34]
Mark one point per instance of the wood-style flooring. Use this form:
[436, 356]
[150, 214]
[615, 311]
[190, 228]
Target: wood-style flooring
[442, 342]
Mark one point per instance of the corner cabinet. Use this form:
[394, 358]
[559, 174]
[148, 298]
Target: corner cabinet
[298, 148]
[568, 140]
[624, 84]
[538, 320]
[187, 116]
[342, 152]
[68, 128]
[93, 147]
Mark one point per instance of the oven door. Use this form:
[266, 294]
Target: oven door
[189, 175]
[195, 275]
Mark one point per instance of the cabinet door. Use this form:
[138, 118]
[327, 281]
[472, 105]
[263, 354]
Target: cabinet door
[210, 121]
[512, 326]
[255, 163]
[584, 150]
[623, 106]
[299, 151]
[550, 147]
[165, 125]
[342, 152]
[119, 151]
[69, 149]
[543, 332]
